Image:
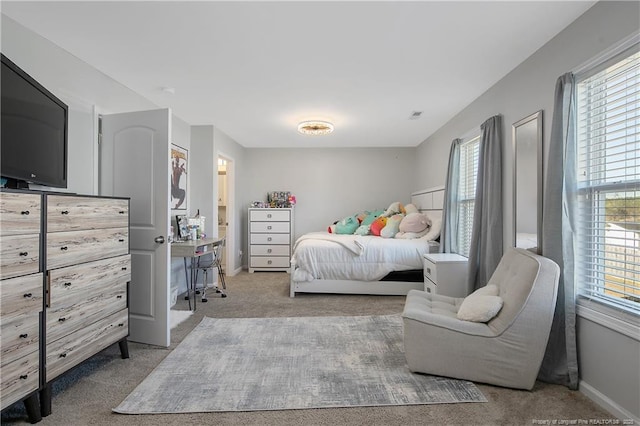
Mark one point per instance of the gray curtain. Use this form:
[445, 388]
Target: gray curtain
[560, 363]
[448, 239]
[486, 237]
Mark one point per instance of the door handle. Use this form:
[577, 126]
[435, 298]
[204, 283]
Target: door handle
[159, 240]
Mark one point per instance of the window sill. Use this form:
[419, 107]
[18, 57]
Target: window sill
[626, 323]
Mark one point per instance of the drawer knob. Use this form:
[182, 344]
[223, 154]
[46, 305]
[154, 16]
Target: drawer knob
[269, 250]
[64, 212]
[63, 355]
[428, 270]
[119, 296]
[269, 238]
[27, 295]
[67, 284]
[25, 212]
[269, 215]
[121, 212]
[124, 268]
[121, 325]
[269, 227]
[24, 376]
[121, 240]
[63, 319]
[24, 253]
[269, 262]
[64, 248]
[24, 336]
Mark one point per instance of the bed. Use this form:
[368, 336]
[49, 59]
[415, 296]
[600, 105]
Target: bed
[352, 264]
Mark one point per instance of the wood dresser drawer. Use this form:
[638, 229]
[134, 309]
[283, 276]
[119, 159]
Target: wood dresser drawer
[19, 255]
[19, 213]
[69, 213]
[270, 239]
[21, 295]
[269, 262]
[267, 250]
[20, 336]
[19, 378]
[274, 227]
[74, 348]
[69, 248]
[274, 215]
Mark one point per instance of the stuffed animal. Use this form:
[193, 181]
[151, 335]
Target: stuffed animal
[410, 208]
[348, 225]
[371, 217]
[414, 225]
[363, 230]
[394, 208]
[392, 227]
[377, 225]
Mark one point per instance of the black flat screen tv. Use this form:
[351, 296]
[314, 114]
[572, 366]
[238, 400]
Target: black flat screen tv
[33, 140]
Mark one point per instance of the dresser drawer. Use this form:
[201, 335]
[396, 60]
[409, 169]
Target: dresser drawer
[275, 227]
[68, 248]
[267, 250]
[272, 215]
[19, 378]
[19, 255]
[269, 262]
[98, 303]
[270, 239]
[19, 213]
[21, 295]
[430, 270]
[20, 336]
[70, 213]
[74, 348]
[70, 284]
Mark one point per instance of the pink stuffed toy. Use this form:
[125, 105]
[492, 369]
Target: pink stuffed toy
[414, 225]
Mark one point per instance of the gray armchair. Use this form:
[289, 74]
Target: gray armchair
[505, 351]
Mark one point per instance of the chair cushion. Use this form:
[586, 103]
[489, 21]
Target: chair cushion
[479, 307]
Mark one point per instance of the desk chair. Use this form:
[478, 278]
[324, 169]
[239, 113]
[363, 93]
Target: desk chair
[216, 263]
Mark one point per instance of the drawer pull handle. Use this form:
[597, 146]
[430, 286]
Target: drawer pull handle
[64, 212]
[124, 268]
[269, 239]
[64, 248]
[63, 355]
[67, 284]
[24, 253]
[121, 212]
[121, 240]
[119, 296]
[269, 250]
[25, 212]
[27, 295]
[269, 215]
[24, 376]
[24, 336]
[63, 319]
[121, 325]
[269, 262]
[428, 270]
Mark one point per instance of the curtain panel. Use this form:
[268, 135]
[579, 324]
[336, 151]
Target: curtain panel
[449, 232]
[486, 237]
[560, 363]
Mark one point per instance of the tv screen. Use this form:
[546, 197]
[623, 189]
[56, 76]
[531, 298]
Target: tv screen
[33, 140]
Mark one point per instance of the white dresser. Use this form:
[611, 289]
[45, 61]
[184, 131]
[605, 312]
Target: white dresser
[446, 274]
[270, 239]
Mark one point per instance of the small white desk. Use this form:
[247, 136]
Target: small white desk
[193, 249]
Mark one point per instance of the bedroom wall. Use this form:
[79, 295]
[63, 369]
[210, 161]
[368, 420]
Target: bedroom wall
[329, 184]
[529, 88]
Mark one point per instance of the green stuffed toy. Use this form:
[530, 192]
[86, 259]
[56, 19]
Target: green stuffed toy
[348, 225]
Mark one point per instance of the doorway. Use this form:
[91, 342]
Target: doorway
[226, 210]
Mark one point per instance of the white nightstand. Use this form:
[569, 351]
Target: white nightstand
[446, 274]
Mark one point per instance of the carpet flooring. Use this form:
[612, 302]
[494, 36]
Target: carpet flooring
[254, 364]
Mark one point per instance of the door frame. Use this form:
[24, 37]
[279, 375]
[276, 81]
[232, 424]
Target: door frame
[231, 212]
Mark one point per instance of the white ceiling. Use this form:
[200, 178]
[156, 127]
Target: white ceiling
[255, 69]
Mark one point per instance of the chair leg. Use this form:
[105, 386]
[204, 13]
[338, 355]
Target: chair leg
[204, 286]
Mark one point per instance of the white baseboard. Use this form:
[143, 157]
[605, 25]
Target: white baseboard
[607, 403]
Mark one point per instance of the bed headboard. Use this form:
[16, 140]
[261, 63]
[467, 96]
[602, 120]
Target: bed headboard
[429, 201]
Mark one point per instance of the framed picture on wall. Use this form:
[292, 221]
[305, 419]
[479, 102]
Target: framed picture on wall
[178, 170]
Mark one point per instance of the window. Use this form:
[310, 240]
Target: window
[608, 175]
[469, 153]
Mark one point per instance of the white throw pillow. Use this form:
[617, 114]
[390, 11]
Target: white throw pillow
[479, 308]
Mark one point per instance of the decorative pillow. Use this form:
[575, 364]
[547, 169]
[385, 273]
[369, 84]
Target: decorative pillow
[479, 308]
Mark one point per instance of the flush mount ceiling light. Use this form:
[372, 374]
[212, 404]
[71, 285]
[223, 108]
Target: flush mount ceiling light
[315, 127]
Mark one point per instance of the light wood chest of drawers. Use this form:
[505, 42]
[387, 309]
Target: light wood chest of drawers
[270, 239]
[21, 296]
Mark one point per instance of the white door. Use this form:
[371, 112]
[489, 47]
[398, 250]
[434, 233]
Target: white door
[134, 162]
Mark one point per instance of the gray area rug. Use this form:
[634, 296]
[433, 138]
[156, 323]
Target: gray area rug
[249, 364]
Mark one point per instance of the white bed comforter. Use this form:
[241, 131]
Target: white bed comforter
[320, 255]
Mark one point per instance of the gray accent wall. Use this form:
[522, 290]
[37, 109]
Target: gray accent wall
[609, 360]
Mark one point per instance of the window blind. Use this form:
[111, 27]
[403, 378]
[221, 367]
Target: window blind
[608, 175]
[469, 153]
